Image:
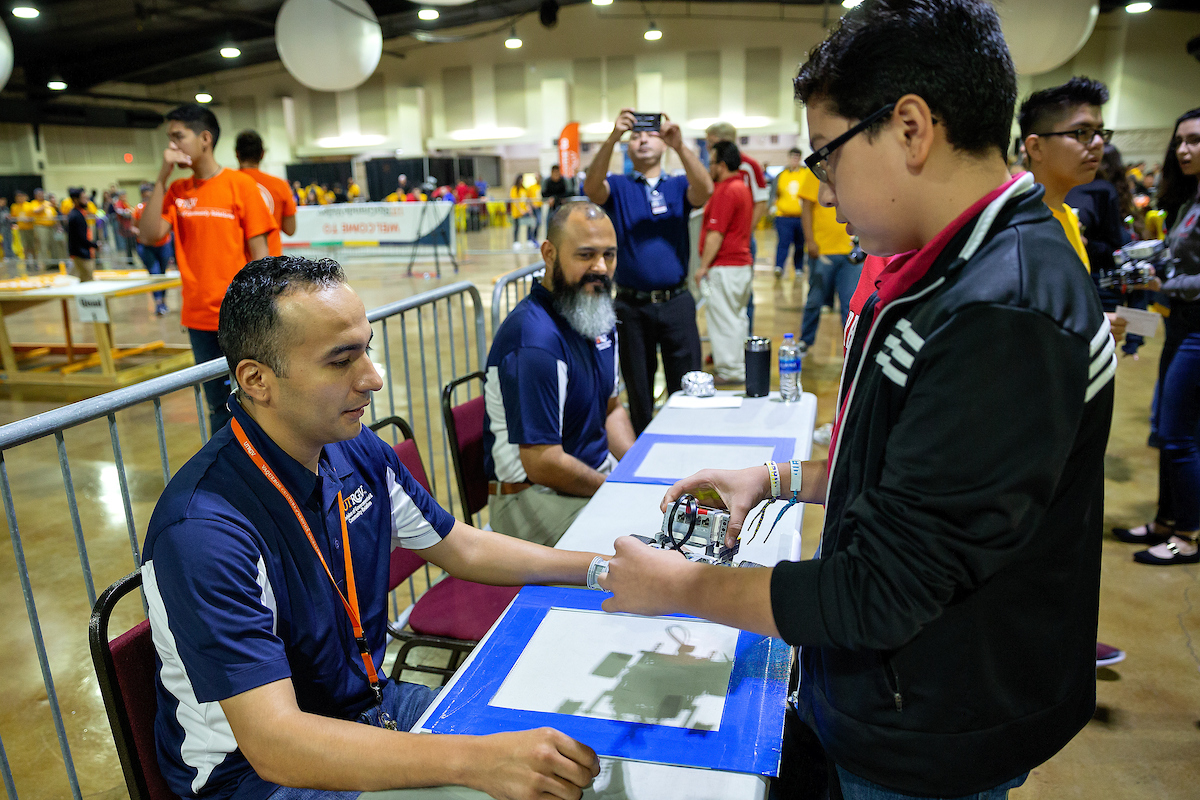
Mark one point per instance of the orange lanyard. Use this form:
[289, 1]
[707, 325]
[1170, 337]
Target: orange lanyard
[351, 605]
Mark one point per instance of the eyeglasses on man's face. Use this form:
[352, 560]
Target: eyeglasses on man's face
[1085, 136]
[819, 160]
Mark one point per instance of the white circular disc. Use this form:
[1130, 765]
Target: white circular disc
[327, 47]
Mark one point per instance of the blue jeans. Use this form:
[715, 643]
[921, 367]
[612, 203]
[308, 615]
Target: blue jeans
[156, 260]
[404, 702]
[826, 275]
[789, 232]
[1178, 415]
[216, 391]
[856, 788]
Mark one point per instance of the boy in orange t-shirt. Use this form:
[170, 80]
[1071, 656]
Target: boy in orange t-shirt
[275, 191]
[219, 220]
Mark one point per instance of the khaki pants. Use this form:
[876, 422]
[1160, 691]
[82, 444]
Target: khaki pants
[728, 325]
[539, 514]
[29, 244]
[44, 236]
[84, 267]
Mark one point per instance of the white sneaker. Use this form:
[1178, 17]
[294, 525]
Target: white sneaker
[532, 245]
[516, 246]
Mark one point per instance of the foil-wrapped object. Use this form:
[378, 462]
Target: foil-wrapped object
[698, 384]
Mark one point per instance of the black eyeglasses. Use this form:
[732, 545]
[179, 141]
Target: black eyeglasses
[1084, 136]
[817, 161]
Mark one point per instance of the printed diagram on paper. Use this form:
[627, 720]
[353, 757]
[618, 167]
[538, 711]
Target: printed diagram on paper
[651, 670]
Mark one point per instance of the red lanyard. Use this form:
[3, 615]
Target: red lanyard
[350, 605]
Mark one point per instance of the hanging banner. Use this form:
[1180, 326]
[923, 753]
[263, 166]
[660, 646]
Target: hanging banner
[568, 150]
[370, 224]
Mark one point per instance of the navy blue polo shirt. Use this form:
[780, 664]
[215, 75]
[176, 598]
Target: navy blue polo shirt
[653, 248]
[546, 384]
[237, 598]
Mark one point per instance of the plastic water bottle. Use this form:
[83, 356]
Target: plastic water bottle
[789, 369]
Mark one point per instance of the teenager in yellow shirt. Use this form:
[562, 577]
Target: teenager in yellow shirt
[830, 268]
[1064, 135]
[789, 230]
[22, 211]
[44, 217]
[522, 214]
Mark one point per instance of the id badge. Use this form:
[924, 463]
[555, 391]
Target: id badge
[658, 203]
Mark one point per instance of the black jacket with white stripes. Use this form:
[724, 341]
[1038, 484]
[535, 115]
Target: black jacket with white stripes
[948, 624]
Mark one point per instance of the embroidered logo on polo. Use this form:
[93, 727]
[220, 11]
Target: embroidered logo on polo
[356, 503]
[603, 342]
[1103, 353]
[899, 351]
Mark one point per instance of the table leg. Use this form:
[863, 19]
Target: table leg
[7, 356]
[67, 331]
[104, 349]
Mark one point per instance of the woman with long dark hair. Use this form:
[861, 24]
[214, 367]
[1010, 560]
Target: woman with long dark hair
[1174, 530]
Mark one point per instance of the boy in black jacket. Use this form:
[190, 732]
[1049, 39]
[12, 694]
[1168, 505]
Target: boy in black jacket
[948, 623]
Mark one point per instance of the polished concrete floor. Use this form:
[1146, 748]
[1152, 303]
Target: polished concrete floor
[1138, 746]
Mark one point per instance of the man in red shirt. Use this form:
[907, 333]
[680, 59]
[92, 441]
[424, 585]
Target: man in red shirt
[751, 172]
[275, 191]
[726, 261]
[220, 221]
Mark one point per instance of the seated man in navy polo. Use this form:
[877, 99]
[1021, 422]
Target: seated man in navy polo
[554, 426]
[266, 576]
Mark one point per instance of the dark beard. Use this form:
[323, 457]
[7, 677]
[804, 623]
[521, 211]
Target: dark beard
[589, 314]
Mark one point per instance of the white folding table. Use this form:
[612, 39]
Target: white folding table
[619, 509]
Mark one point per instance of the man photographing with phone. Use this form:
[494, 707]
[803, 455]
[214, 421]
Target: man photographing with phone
[650, 212]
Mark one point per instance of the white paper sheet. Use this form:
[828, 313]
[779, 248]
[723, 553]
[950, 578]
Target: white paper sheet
[1142, 323]
[680, 459]
[654, 670]
[719, 401]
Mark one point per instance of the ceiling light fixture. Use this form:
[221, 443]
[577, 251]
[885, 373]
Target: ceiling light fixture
[1138, 8]
[229, 51]
[652, 34]
[513, 41]
[602, 2]
[56, 84]
[428, 14]
[25, 12]
[851, 3]
[203, 97]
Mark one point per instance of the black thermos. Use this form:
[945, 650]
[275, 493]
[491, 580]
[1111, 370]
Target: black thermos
[758, 366]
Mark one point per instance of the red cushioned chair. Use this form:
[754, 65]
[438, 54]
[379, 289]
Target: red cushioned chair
[464, 429]
[454, 614]
[125, 670]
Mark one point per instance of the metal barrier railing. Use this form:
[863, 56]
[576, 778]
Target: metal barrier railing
[510, 288]
[434, 333]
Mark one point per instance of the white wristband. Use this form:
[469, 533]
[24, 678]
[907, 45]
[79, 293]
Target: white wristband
[797, 477]
[598, 567]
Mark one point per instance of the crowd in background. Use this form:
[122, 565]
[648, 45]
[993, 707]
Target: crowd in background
[35, 228]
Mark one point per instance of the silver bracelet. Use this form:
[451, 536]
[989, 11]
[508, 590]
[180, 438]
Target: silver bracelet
[598, 567]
